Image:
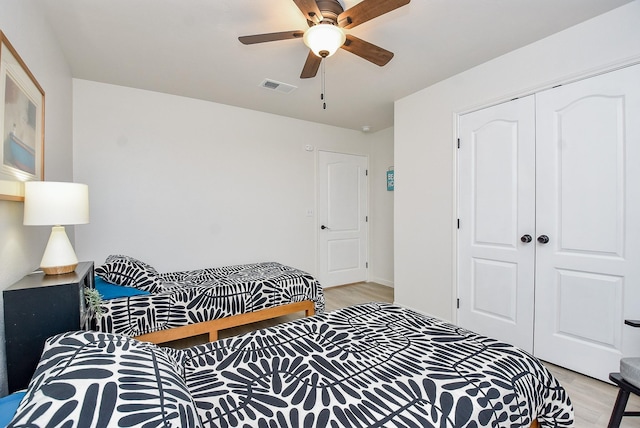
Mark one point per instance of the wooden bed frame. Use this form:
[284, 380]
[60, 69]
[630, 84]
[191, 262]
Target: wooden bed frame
[214, 326]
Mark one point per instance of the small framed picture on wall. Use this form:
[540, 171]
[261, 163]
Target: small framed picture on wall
[21, 123]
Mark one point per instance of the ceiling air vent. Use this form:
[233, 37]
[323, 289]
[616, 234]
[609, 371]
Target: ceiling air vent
[278, 86]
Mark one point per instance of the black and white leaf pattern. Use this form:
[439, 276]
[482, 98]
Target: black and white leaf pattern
[125, 270]
[182, 298]
[89, 379]
[371, 365]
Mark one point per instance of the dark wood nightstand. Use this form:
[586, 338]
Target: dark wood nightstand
[37, 307]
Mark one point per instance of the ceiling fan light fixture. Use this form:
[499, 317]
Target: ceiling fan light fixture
[324, 39]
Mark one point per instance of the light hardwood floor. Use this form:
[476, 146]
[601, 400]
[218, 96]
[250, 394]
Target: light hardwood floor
[592, 399]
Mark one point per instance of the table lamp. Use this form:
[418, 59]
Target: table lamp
[48, 203]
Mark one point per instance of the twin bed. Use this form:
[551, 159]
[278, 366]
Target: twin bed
[369, 365]
[163, 307]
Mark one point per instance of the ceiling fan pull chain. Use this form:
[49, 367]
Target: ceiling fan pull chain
[322, 95]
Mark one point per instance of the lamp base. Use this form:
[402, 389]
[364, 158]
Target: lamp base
[59, 270]
[59, 256]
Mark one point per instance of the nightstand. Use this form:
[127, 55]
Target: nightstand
[37, 307]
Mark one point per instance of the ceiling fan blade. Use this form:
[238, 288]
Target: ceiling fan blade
[271, 37]
[310, 10]
[366, 50]
[367, 10]
[311, 66]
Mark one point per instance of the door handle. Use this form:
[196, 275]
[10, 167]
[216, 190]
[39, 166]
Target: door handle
[543, 239]
[323, 227]
[526, 238]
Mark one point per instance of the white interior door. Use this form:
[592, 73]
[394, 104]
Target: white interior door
[588, 204]
[342, 216]
[496, 209]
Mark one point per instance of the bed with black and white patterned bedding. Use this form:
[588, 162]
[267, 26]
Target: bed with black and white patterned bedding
[177, 299]
[369, 365]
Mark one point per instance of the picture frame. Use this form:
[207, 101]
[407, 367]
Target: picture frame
[21, 124]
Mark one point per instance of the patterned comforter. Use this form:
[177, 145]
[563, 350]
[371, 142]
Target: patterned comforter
[369, 365]
[182, 298]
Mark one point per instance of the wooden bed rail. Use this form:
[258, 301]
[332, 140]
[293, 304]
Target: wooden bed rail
[214, 326]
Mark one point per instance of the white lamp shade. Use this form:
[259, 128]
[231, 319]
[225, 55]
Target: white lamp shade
[48, 203]
[324, 39]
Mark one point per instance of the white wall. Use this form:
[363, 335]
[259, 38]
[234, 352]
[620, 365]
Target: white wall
[21, 248]
[182, 183]
[425, 134]
[381, 207]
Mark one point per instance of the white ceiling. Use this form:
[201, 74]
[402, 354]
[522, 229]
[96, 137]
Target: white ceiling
[191, 48]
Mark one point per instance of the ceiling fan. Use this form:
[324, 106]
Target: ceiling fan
[326, 20]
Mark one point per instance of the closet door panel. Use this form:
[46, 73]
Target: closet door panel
[587, 203]
[594, 294]
[591, 175]
[496, 208]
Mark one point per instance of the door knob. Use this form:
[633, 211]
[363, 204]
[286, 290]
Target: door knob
[543, 239]
[323, 227]
[526, 238]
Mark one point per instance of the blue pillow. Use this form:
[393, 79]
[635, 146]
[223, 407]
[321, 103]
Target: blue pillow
[8, 407]
[113, 291]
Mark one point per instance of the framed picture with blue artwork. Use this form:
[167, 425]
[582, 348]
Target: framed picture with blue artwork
[21, 124]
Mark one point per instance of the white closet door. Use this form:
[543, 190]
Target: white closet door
[588, 204]
[496, 209]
